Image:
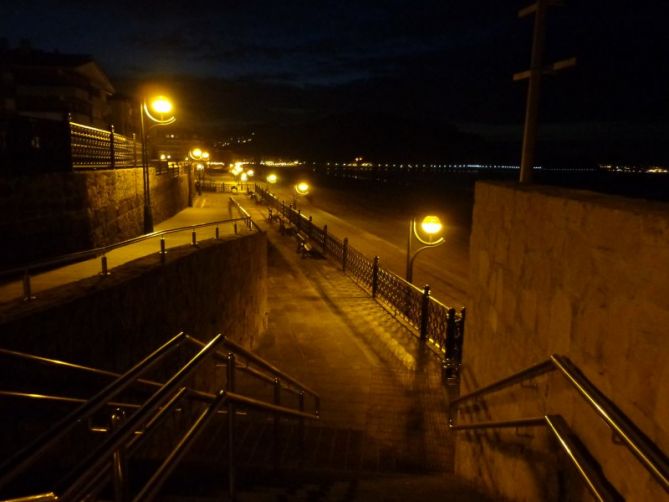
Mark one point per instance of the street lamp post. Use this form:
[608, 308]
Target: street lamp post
[432, 227]
[162, 106]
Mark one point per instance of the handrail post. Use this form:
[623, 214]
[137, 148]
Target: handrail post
[27, 289]
[299, 220]
[300, 439]
[105, 269]
[163, 253]
[461, 336]
[230, 387]
[276, 450]
[450, 364]
[119, 460]
[344, 255]
[375, 277]
[424, 313]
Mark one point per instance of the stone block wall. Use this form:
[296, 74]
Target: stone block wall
[112, 322]
[579, 274]
[57, 213]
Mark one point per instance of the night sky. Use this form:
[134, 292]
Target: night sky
[235, 63]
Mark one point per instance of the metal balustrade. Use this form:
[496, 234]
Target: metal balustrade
[624, 430]
[95, 148]
[29, 269]
[439, 325]
[127, 432]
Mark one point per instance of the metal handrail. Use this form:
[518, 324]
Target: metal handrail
[579, 456]
[259, 361]
[88, 466]
[25, 457]
[649, 455]
[102, 250]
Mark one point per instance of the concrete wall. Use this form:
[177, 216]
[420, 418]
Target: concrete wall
[580, 274]
[51, 214]
[113, 322]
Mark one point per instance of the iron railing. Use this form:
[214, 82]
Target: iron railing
[644, 449]
[95, 148]
[125, 434]
[30, 268]
[441, 326]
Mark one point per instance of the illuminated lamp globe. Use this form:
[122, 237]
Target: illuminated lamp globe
[196, 153]
[272, 178]
[161, 105]
[302, 188]
[431, 225]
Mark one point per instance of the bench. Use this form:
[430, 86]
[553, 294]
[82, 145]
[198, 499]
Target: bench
[303, 244]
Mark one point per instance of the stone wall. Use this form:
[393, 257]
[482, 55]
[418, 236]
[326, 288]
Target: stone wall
[112, 322]
[58, 213]
[575, 273]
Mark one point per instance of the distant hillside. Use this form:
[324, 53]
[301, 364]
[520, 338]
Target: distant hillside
[377, 137]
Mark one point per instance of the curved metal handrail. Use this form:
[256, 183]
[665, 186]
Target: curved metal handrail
[102, 250]
[18, 462]
[645, 450]
[259, 361]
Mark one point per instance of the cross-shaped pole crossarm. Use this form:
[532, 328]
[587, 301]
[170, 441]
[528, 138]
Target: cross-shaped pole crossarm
[548, 70]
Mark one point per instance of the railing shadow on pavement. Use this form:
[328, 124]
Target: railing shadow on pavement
[439, 326]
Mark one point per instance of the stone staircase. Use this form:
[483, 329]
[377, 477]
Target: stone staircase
[332, 464]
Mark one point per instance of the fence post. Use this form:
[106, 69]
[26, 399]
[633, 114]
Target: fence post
[424, 313]
[299, 220]
[344, 255]
[375, 277]
[112, 152]
[230, 387]
[69, 162]
[310, 226]
[450, 364]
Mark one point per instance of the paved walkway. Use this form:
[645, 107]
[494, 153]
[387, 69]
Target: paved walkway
[372, 373]
[210, 207]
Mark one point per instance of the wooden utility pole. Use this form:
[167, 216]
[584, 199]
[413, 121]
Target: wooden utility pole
[534, 75]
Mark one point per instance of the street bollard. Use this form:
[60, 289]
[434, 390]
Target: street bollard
[235, 227]
[218, 234]
[194, 240]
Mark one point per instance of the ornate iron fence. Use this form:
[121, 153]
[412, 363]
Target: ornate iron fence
[97, 148]
[442, 326]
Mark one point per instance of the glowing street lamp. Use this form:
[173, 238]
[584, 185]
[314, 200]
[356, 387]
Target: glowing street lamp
[201, 156]
[302, 188]
[158, 111]
[272, 179]
[432, 228]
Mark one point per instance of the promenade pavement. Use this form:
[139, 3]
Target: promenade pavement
[371, 371]
[207, 208]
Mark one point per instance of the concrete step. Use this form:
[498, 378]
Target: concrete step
[397, 487]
